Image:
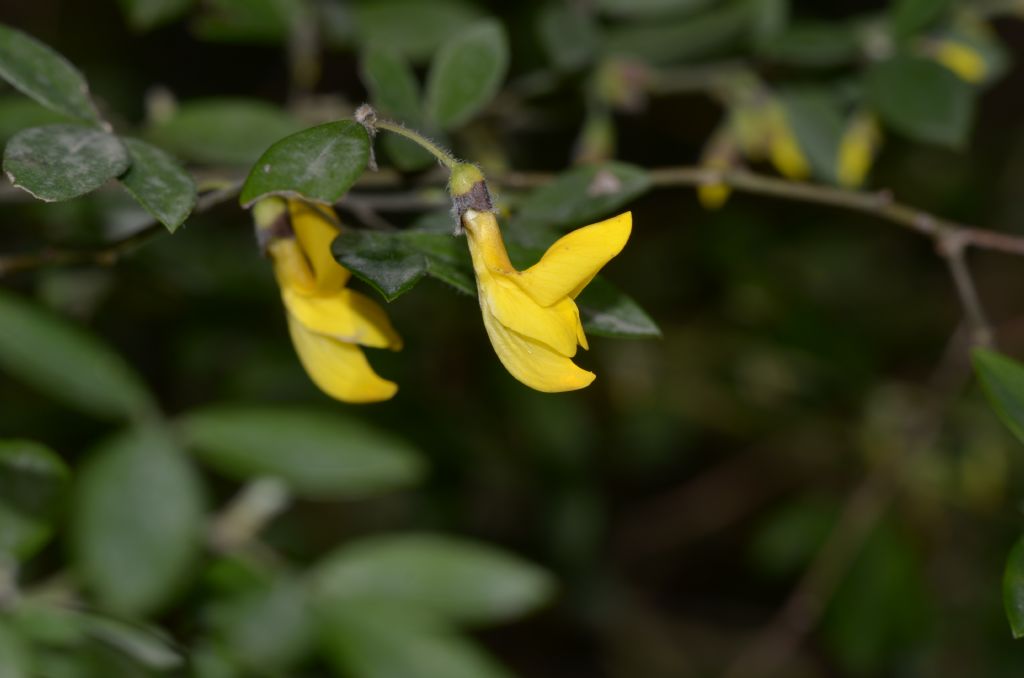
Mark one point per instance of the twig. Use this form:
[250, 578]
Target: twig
[111, 253]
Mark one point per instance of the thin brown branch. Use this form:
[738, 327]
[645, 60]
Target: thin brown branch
[109, 254]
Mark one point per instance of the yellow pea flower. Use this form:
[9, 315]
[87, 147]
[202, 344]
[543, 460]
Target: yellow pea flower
[857, 149]
[783, 148]
[962, 59]
[327, 321]
[530, 316]
[720, 153]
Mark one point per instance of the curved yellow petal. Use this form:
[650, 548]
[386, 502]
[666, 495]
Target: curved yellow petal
[963, 60]
[555, 325]
[533, 363]
[291, 268]
[486, 246]
[315, 232]
[345, 315]
[574, 260]
[339, 369]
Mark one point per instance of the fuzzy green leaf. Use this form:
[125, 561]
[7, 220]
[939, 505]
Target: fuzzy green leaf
[1002, 379]
[159, 184]
[60, 162]
[41, 73]
[466, 74]
[319, 164]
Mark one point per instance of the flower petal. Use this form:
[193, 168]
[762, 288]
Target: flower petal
[533, 363]
[291, 268]
[554, 325]
[340, 370]
[345, 315]
[574, 260]
[315, 231]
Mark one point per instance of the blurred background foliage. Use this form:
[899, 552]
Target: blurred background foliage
[797, 478]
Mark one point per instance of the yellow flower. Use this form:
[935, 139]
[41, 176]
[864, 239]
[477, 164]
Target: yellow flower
[857, 149]
[327, 321]
[784, 149]
[530, 315]
[719, 154]
[962, 59]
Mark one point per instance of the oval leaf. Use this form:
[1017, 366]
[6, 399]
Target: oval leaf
[370, 640]
[584, 194]
[32, 484]
[144, 15]
[159, 183]
[466, 74]
[43, 74]
[222, 130]
[317, 455]
[137, 521]
[608, 311]
[319, 164]
[392, 84]
[413, 27]
[1013, 589]
[1003, 382]
[67, 363]
[922, 99]
[456, 579]
[60, 162]
[392, 263]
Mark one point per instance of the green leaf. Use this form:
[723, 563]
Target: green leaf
[466, 74]
[392, 263]
[159, 184]
[608, 311]
[366, 639]
[248, 21]
[68, 363]
[15, 654]
[813, 44]
[224, 131]
[910, 16]
[317, 455]
[455, 579]
[144, 15]
[817, 121]
[319, 164]
[921, 99]
[137, 523]
[269, 629]
[33, 481]
[60, 162]
[1002, 379]
[38, 71]
[392, 84]
[413, 27]
[670, 41]
[569, 34]
[1013, 589]
[584, 194]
